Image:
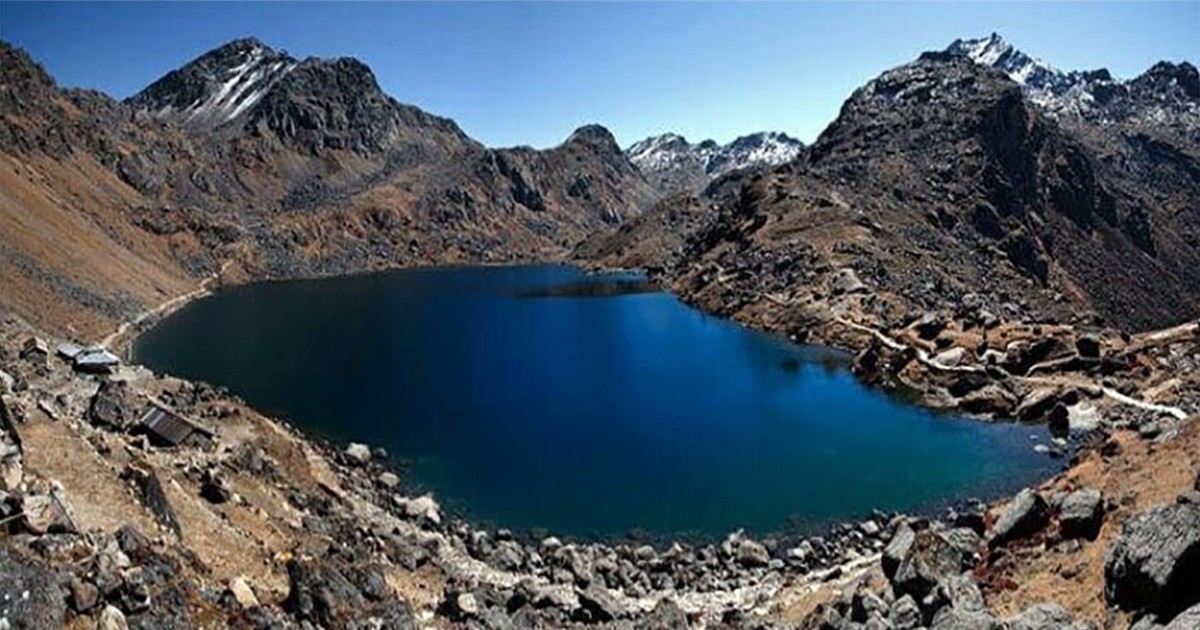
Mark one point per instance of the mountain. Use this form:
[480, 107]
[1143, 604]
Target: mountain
[946, 181]
[249, 162]
[674, 164]
[1166, 94]
[218, 86]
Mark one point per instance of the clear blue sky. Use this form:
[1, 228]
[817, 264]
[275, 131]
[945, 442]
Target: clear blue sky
[530, 73]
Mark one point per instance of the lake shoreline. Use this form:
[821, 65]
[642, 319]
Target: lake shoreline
[740, 575]
[812, 390]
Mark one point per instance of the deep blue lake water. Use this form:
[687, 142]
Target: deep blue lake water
[539, 397]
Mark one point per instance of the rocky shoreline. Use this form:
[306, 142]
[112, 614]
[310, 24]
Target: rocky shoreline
[353, 531]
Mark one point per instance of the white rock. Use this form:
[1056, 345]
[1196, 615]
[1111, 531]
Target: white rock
[467, 604]
[111, 618]
[389, 480]
[423, 508]
[951, 358]
[359, 453]
[242, 593]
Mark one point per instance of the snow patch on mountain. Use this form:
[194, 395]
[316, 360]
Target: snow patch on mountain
[219, 86]
[674, 160]
[1164, 94]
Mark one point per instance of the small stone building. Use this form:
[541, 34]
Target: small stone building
[166, 427]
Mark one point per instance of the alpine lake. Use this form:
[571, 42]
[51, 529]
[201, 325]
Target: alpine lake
[545, 398]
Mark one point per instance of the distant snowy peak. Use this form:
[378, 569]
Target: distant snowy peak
[217, 87]
[1166, 93]
[675, 162]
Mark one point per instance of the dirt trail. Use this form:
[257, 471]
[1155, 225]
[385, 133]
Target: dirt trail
[162, 310]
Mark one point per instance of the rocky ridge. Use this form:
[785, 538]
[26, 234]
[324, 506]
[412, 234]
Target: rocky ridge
[1166, 94]
[675, 165]
[249, 161]
[265, 528]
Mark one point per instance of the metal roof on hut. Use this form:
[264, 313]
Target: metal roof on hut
[96, 360]
[68, 350]
[167, 427]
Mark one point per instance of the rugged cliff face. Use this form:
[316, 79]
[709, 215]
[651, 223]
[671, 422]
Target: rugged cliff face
[943, 178]
[253, 162]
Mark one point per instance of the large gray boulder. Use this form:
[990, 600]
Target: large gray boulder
[897, 548]
[1081, 514]
[319, 592]
[1023, 517]
[1043, 617]
[114, 406]
[957, 619]
[1155, 563]
[1186, 620]
[929, 561]
[31, 598]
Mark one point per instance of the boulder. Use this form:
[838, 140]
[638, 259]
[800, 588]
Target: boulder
[319, 592]
[466, 605]
[1081, 514]
[897, 549]
[665, 616]
[972, 516]
[930, 560]
[114, 406]
[389, 480]
[153, 496]
[215, 489]
[929, 326]
[31, 596]
[82, 595]
[1186, 620]
[111, 618]
[991, 399]
[423, 508]
[358, 454]
[961, 592]
[1043, 617]
[951, 358]
[1036, 405]
[950, 618]
[1023, 517]
[1088, 346]
[1154, 564]
[45, 514]
[752, 554]
[598, 605]
[905, 614]
[1059, 421]
[844, 282]
[240, 589]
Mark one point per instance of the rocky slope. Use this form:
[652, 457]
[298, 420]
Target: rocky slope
[1165, 95]
[675, 165]
[994, 256]
[265, 166]
[940, 179]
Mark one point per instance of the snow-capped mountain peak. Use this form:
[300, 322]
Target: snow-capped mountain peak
[678, 164]
[217, 87]
[1094, 94]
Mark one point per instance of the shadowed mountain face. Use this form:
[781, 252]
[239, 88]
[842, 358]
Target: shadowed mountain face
[946, 177]
[268, 166]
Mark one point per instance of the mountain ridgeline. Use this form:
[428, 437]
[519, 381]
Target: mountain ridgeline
[973, 170]
[675, 165]
[266, 166]
[972, 175]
